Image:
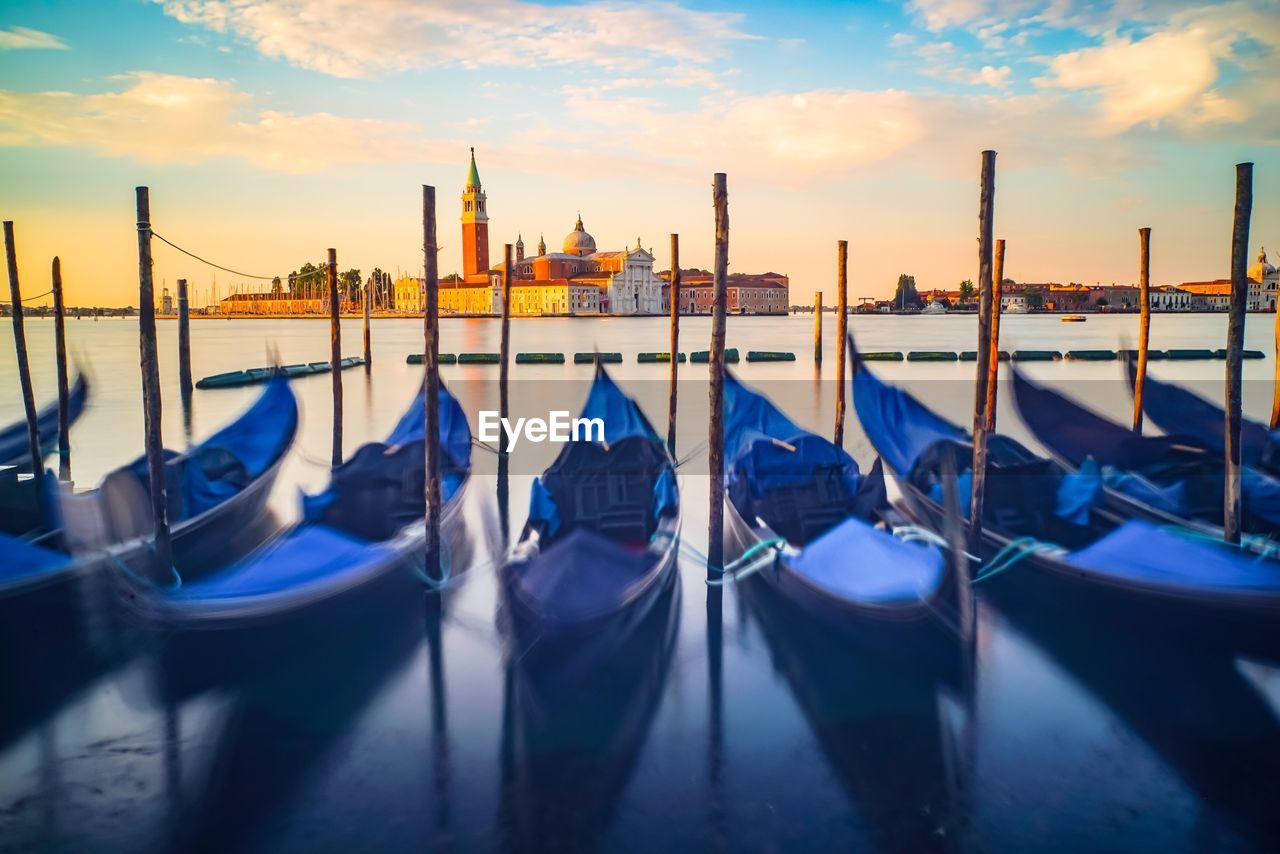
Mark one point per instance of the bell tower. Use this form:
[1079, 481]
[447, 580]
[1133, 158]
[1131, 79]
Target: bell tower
[475, 226]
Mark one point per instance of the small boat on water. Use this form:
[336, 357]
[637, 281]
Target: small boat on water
[54, 583]
[935, 306]
[601, 541]
[355, 548]
[252, 376]
[1074, 318]
[1170, 480]
[15, 445]
[800, 495]
[1058, 543]
[1178, 410]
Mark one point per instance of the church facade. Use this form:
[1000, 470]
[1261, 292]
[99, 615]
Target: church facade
[578, 279]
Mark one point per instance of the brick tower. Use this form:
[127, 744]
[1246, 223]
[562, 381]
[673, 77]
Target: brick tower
[475, 226]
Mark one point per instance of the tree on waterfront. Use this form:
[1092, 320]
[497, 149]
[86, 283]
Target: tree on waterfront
[1035, 297]
[906, 294]
[349, 285]
[966, 291]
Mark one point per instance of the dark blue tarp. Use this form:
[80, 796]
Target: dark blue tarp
[1141, 551]
[899, 426]
[586, 483]
[1176, 410]
[857, 561]
[23, 559]
[308, 555]
[15, 446]
[581, 576]
[221, 466]
[380, 489]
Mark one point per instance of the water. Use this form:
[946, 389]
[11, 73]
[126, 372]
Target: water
[737, 727]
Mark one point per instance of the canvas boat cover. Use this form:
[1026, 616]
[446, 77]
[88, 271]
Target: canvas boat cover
[370, 497]
[857, 561]
[1150, 554]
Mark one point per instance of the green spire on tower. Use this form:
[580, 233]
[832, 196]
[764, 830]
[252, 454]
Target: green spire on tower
[473, 177]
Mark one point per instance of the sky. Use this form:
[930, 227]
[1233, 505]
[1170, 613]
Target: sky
[269, 130]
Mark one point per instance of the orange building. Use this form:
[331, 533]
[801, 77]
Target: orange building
[747, 293]
[475, 228]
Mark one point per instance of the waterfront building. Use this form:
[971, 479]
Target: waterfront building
[747, 293]
[267, 303]
[1170, 298]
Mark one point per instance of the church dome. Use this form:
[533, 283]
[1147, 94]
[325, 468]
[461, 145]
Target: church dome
[1261, 269]
[578, 242]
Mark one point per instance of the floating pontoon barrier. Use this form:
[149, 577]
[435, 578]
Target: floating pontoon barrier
[972, 355]
[478, 358]
[1091, 355]
[1037, 356]
[769, 356]
[1191, 355]
[251, 376]
[444, 359]
[932, 356]
[703, 357]
[882, 356]
[1151, 354]
[646, 358]
[590, 358]
[1244, 354]
[539, 358]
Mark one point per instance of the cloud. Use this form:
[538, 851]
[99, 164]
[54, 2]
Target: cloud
[169, 118]
[22, 38]
[362, 38]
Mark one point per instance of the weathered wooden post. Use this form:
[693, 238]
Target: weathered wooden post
[675, 342]
[986, 213]
[504, 362]
[335, 354]
[1144, 322]
[1275, 394]
[993, 363]
[24, 367]
[715, 438]
[431, 357]
[64, 394]
[151, 388]
[1235, 344]
[368, 338]
[184, 340]
[842, 334]
[817, 327]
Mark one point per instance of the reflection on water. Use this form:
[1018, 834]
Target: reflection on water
[727, 721]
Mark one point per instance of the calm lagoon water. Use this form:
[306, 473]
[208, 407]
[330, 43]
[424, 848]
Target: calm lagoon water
[726, 723]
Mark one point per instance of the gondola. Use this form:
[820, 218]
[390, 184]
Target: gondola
[217, 490]
[54, 585]
[15, 444]
[1062, 545]
[357, 547]
[796, 492]
[1170, 480]
[1178, 410]
[600, 544]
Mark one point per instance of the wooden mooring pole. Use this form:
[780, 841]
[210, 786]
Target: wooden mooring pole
[675, 343]
[817, 327]
[60, 354]
[986, 213]
[1235, 344]
[431, 389]
[993, 363]
[1144, 322]
[151, 389]
[24, 366]
[335, 354]
[184, 340]
[504, 370]
[842, 334]
[715, 437]
[368, 336]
